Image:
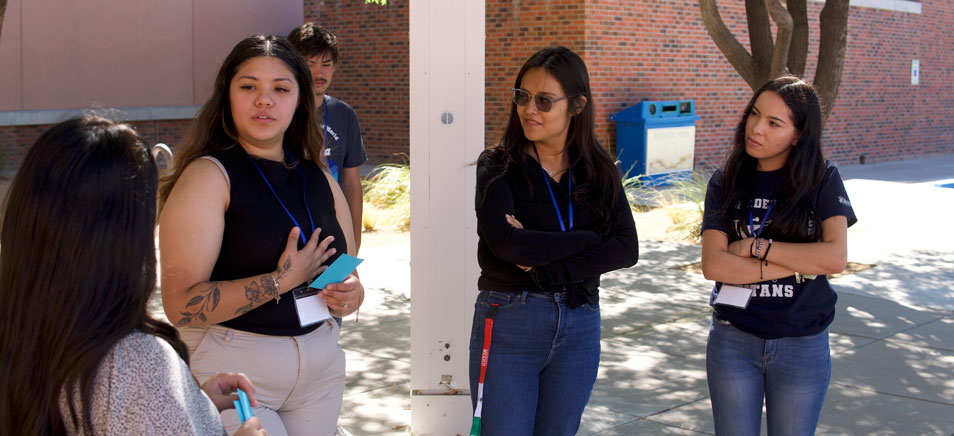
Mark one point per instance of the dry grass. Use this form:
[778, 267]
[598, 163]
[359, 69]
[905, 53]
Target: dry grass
[387, 199]
[672, 212]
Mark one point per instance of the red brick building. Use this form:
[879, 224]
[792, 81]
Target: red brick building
[637, 50]
[660, 50]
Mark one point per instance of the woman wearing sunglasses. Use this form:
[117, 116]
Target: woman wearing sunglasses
[551, 217]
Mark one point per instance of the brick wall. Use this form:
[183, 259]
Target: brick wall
[16, 140]
[513, 34]
[660, 50]
[372, 73]
[639, 50]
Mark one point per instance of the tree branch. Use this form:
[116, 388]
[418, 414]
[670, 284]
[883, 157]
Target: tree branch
[831, 52]
[760, 38]
[798, 49]
[730, 47]
[783, 21]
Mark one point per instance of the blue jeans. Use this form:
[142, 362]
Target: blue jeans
[542, 365]
[791, 374]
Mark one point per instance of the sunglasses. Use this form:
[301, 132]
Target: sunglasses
[522, 98]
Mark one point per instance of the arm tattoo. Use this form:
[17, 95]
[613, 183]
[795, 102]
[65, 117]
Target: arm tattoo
[206, 302]
[258, 293]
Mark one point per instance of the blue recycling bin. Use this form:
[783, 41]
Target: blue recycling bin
[656, 139]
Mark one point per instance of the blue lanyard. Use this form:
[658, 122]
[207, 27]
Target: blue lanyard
[758, 233]
[569, 189]
[324, 137]
[762, 223]
[304, 196]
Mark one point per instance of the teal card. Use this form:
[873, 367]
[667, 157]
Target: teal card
[337, 271]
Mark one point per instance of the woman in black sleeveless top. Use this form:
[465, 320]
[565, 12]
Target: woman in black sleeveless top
[249, 214]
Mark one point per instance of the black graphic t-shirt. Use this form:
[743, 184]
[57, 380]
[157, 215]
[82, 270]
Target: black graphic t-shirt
[786, 307]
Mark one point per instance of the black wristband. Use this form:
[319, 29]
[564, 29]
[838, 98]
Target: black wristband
[769, 247]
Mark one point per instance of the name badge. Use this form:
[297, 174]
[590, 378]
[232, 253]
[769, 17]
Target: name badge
[310, 307]
[734, 296]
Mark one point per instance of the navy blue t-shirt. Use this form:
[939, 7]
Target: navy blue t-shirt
[344, 147]
[785, 307]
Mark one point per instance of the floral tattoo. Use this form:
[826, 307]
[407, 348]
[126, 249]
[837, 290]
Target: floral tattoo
[204, 303]
[258, 293]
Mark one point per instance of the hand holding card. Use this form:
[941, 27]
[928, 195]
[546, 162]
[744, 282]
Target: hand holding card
[337, 271]
[311, 307]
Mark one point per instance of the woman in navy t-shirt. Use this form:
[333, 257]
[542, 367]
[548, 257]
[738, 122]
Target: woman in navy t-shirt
[776, 222]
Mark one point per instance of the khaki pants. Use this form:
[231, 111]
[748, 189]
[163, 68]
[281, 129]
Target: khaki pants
[299, 380]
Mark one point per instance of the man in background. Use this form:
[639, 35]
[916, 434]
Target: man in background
[344, 147]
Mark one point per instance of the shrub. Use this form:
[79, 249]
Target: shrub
[387, 198]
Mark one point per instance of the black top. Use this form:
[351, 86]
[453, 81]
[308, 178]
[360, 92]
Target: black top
[563, 261]
[784, 307]
[256, 231]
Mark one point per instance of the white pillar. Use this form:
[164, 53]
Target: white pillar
[447, 135]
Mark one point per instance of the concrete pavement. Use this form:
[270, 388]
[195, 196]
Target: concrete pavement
[892, 339]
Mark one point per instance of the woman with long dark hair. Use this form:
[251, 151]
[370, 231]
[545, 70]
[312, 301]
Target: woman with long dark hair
[776, 222]
[79, 353]
[551, 218]
[249, 214]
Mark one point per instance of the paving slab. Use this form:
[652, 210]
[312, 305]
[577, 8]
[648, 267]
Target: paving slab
[919, 373]
[891, 215]
[912, 277]
[685, 337]
[367, 372]
[847, 412]
[640, 381]
[390, 340]
[856, 412]
[840, 342]
[694, 416]
[647, 428]
[641, 311]
[937, 334]
[909, 171]
[385, 411]
[598, 418]
[861, 315]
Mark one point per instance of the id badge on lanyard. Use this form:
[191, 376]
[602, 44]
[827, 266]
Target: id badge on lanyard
[310, 307]
[735, 296]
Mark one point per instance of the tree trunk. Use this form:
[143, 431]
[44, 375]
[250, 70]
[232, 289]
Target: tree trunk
[760, 37]
[789, 52]
[3, 9]
[831, 53]
[730, 47]
[798, 51]
[783, 21]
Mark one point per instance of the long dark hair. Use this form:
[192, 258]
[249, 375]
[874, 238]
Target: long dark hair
[594, 171]
[794, 218]
[77, 268]
[213, 127]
